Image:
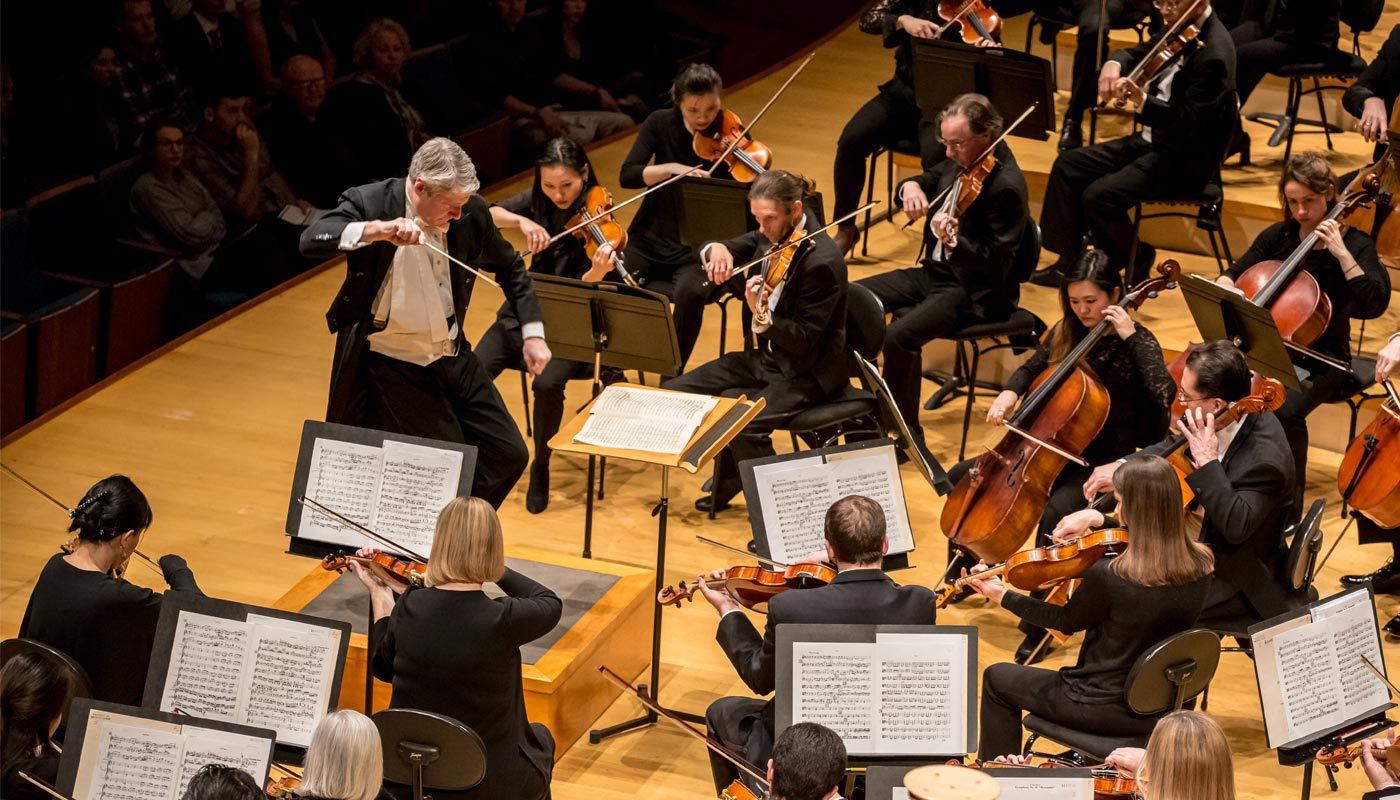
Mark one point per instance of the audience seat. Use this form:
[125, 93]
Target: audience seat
[14, 374]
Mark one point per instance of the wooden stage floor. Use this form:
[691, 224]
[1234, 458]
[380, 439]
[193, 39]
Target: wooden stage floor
[210, 429]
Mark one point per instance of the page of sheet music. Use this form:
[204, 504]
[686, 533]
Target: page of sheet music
[206, 666]
[875, 474]
[652, 436]
[834, 684]
[676, 408]
[290, 674]
[344, 477]
[203, 746]
[922, 691]
[416, 483]
[130, 763]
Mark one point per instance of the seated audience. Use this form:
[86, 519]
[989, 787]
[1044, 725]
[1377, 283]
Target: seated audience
[306, 148]
[33, 690]
[229, 157]
[382, 128]
[151, 83]
[292, 30]
[221, 782]
[210, 46]
[86, 129]
[172, 208]
[584, 65]
[250, 23]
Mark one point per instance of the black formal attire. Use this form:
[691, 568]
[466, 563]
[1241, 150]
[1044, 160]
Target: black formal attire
[1277, 32]
[458, 653]
[214, 57]
[1246, 499]
[1084, 84]
[800, 359]
[1381, 794]
[951, 289]
[1120, 620]
[1363, 297]
[311, 154]
[1091, 189]
[855, 597]
[655, 255]
[451, 399]
[45, 768]
[371, 122]
[893, 114]
[1381, 78]
[106, 625]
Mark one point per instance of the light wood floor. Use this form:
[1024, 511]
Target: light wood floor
[210, 431]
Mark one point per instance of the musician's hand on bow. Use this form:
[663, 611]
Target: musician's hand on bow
[1110, 73]
[914, 201]
[1330, 232]
[1198, 426]
[719, 264]
[401, 232]
[916, 26]
[1122, 323]
[1127, 93]
[945, 227]
[1074, 525]
[601, 264]
[1100, 480]
[1373, 125]
[991, 588]
[1001, 406]
[1127, 760]
[536, 237]
[1014, 758]
[720, 599]
[536, 354]
[751, 290]
[1374, 761]
[1387, 358]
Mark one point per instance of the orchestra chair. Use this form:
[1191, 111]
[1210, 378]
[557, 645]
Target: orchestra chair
[79, 684]
[1209, 203]
[1165, 677]
[14, 374]
[1139, 22]
[1299, 570]
[1019, 331]
[908, 148]
[1339, 66]
[429, 751]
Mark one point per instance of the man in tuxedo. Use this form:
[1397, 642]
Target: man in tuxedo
[401, 361]
[808, 763]
[1243, 484]
[1185, 114]
[800, 357]
[861, 594]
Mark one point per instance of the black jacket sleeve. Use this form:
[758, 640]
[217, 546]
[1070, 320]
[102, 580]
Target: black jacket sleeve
[321, 239]
[820, 295]
[984, 263]
[1201, 88]
[532, 610]
[1086, 608]
[643, 149]
[1238, 508]
[1379, 77]
[754, 657]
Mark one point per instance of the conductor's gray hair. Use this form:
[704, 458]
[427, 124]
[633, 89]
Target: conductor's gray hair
[444, 167]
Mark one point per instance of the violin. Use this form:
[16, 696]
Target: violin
[752, 587]
[1298, 305]
[392, 571]
[976, 20]
[1182, 34]
[595, 226]
[283, 788]
[1268, 395]
[1043, 567]
[1379, 220]
[1369, 478]
[1343, 755]
[780, 261]
[969, 185]
[997, 504]
[747, 159]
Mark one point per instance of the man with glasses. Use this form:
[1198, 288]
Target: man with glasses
[966, 273]
[1186, 120]
[307, 150]
[1243, 486]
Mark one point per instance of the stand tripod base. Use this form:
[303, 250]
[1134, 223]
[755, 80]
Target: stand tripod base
[599, 734]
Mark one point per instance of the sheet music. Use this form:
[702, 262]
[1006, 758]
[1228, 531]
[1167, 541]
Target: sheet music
[344, 477]
[641, 419]
[206, 666]
[134, 763]
[1047, 787]
[205, 746]
[416, 483]
[834, 685]
[634, 434]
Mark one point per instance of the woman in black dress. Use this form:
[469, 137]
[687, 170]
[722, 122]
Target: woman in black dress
[33, 690]
[105, 623]
[1125, 605]
[562, 177]
[453, 650]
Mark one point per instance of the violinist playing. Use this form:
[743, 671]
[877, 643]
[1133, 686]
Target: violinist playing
[1347, 270]
[973, 280]
[1186, 120]
[800, 357]
[563, 177]
[1243, 486]
[1187, 758]
[1125, 605]
[80, 607]
[808, 763]
[861, 593]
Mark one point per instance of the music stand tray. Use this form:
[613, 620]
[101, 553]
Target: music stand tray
[1224, 314]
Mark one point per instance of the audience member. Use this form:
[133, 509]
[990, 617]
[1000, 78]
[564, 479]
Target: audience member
[85, 127]
[221, 782]
[305, 147]
[249, 13]
[172, 208]
[210, 44]
[292, 30]
[585, 67]
[382, 128]
[229, 157]
[150, 84]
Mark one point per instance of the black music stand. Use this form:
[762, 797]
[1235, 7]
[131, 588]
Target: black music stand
[1221, 313]
[897, 430]
[1012, 80]
[429, 751]
[608, 325]
[712, 209]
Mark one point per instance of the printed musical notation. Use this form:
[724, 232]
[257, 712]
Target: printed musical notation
[136, 764]
[640, 419]
[126, 757]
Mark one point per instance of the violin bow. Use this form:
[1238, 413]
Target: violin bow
[464, 265]
[776, 249]
[8, 470]
[713, 164]
[1136, 73]
[43, 786]
[982, 156]
[724, 752]
[1394, 692]
[746, 554]
[350, 523]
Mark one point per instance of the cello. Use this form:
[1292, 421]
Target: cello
[1379, 220]
[1369, 478]
[997, 504]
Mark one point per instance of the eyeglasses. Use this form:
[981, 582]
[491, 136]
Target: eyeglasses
[314, 83]
[1184, 400]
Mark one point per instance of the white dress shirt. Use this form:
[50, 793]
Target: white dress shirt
[1163, 89]
[763, 267]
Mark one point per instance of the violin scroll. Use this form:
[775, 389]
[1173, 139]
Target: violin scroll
[675, 595]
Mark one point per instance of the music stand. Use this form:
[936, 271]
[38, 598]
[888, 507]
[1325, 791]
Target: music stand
[712, 209]
[1224, 314]
[898, 431]
[1009, 78]
[429, 751]
[607, 325]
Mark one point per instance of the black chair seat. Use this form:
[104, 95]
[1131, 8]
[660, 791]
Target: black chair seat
[1340, 65]
[1020, 322]
[906, 147]
[1093, 745]
[850, 404]
[1212, 194]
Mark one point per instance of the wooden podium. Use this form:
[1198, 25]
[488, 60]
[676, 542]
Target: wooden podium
[721, 424]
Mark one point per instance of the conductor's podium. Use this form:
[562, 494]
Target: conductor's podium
[607, 620]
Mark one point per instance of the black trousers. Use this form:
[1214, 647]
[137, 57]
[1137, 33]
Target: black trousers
[882, 121]
[924, 309]
[1084, 81]
[452, 400]
[1092, 189]
[1009, 689]
[734, 374]
[501, 348]
[689, 296]
[739, 723]
[1326, 385]
[1256, 51]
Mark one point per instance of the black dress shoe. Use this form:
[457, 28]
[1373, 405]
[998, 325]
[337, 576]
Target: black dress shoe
[1027, 653]
[1071, 137]
[1392, 628]
[1051, 277]
[703, 504]
[1385, 580]
[537, 496]
[1239, 144]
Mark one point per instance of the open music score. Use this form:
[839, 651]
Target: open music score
[656, 422]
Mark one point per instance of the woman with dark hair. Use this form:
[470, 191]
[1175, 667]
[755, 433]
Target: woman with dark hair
[33, 690]
[172, 208]
[81, 608]
[222, 782]
[563, 177]
[1125, 605]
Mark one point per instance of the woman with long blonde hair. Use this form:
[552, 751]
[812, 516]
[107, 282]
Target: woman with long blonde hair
[452, 649]
[1187, 758]
[1125, 605]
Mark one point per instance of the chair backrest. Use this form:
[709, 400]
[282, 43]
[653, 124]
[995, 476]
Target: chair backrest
[1172, 671]
[452, 756]
[21, 281]
[114, 191]
[1028, 253]
[79, 684]
[865, 323]
[1302, 553]
[1362, 16]
[51, 217]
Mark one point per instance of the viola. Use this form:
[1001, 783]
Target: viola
[1379, 220]
[747, 159]
[1182, 35]
[392, 571]
[1369, 478]
[1343, 755]
[1268, 395]
[781, 258]
[1298, 305]
[1044, 567]
[595, 226]
[997, 504]
[283, 788]
[752, 587]
[969, 185]
[975, 20]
